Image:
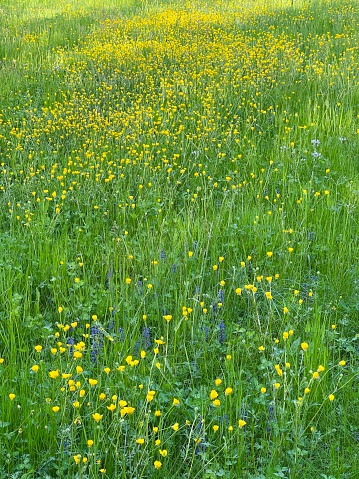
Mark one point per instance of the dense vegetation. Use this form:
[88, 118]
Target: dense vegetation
[179, 239]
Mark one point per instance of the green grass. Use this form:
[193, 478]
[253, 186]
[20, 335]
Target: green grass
[179, 214]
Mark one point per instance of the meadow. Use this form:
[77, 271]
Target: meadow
[179, 239]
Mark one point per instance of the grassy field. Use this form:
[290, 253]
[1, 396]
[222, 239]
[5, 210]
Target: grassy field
[179, 274]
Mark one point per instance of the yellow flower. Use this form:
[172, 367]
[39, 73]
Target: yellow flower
[163, 452]
[261, 348]
[54, 374]
[228, 391]
[127, 410]
[285, 310]
[331, 397]
[269, 254]
[190, 254]
[97, 417]
[342, 363]
[79, 369]
[56, 409]
[90, 442]
[306, 391]
[218, 382]
[77, 458]
[167, 317]
[157, 464]
[140, 440]
[215, 267]
[35, 368]
[38, 348]
[213, 394]
[304, 346]
[2, 360]
[277, 385]
[111, 407]
[216, 403]
[315, 375]
[241, 423]
[268, 295]
[128, 280]
[76, 404]
[238, 291]
[320, 368]
[263, 390]
[12, 396]
[175, 402]
[93, 382]
[285, 335]
[175, 426]
[215, 427]
[107, 370]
